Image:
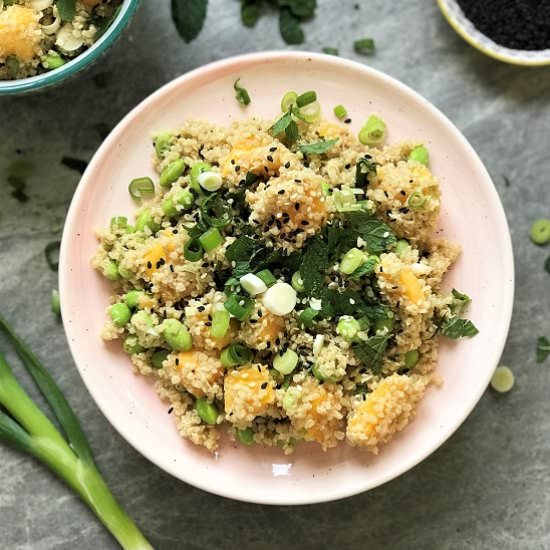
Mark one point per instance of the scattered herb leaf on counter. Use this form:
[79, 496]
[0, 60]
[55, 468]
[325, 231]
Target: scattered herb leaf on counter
[330, 51]
[26, 428]
[18, 185]
[241, 94]
[364, 46]
[289, 27]
[74, 164]
[52, 254]
[543, 349]
[189, 17]
[250, 12]
[547, 264]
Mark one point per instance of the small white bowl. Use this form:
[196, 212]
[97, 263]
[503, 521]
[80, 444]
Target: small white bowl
[471, 215]
[466, 29]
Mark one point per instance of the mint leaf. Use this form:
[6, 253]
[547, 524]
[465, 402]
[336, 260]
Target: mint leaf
[543, 349]
[371, 352]
[458, 328]
[365, 166]
[300, 8]
[366, 269]
[250, 12]
[291, 133]
[289, 26]
[314, 266]
[281, 125]
[240, 249]
[189, 17]
[66, 9]
[460, 301]
[547, 264]
[241, 95]
[376, 234]
[318, 148]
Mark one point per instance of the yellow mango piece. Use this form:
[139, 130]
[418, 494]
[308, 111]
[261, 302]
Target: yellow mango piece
[329, 130]
[249, 389]
[316, 431]
[251, 155]
[198, 371]
[19, 32]
[411, 286]
[158, 250]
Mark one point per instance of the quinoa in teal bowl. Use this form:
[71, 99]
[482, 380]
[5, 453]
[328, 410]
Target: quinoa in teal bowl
[43, 42]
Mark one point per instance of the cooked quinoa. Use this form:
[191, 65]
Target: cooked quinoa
[37, 36]
[279, 295]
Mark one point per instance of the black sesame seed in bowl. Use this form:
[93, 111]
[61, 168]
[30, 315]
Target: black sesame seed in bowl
[513, 31]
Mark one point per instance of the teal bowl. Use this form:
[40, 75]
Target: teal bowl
[79, 63]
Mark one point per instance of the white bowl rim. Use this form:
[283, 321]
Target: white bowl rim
[503, 233]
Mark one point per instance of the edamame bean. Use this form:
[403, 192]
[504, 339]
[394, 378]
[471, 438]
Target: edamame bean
[207, 411]
[110, 270]
[172, 172]
[176, 335]
[158, 358]
[120, 314]
[131, 345]
[133, 298]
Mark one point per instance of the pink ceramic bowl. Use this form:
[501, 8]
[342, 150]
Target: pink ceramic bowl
[471, 215]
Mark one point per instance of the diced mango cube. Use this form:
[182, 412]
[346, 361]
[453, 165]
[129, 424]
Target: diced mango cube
[19, 32]
[411, 285]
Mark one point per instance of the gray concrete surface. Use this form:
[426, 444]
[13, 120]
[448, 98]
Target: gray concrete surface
[488, 487]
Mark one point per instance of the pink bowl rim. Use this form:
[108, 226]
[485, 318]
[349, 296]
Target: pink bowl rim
[503, 235]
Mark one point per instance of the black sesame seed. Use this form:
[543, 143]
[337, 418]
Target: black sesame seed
[208, 324]
[237, 168]
[269, 158]
[287, 165]
[171, 268]
[201, 308]
[170, 410]
[347, 121]
[177, 361]
[232, 161]
[281, 192]
[149, 265]
[264, 386]
[304, 222]
[272, 149]
[347, 166]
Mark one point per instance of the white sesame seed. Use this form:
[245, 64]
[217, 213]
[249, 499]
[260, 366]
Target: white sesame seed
[351, 301]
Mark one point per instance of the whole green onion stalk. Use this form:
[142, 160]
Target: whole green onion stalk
[24, 426]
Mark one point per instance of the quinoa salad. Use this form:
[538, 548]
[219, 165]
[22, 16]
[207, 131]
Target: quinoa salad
[282, 282]
[41, 35]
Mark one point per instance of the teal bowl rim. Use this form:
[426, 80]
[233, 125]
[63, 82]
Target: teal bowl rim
[78, 63]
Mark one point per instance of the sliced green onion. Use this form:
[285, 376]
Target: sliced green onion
[210, 181]
[267, 277]
[420, 154]
[307, 316]
[246, 436]
[503, 380]
[196, 170]
[297, 282]
[211, 239]
[321, 377]
[288, 101]
[162, 142]
[172, 172]
[192, 250]
[540, 232]
[286, 362]
[119, 222]
[206, 411]
[241, 94]
[235, 354]
[348, 328]
[55, 303]
[159, 357]
[12, 64]
[352, 260]
[325, 189]
[384, 326]
[306, 98]
[239, 306]
[400, 246]
[364, 46]
[220, 323]
[373, 132]
[417, 200]
[310, 113]
[252, 284]
[411, 358]
[340, 112]
[141, 188]
[215, 212]
[53, 61]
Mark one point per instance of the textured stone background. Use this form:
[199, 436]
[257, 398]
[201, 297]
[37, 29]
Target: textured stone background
[488, 487]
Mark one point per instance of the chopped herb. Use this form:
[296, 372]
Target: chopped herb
[241, 95]
[313, 267]
[547, 264]
[74, 164]
[371, 352]
[458, 328]
[66, 9]
[12, 64]
[364, 46]
[300, 8]
[365, 166]
[366, 269]
[318, 148]
[543, 349]
[460, 301]
[330, 51]
[52, 254]
[377, 235]
[282, 124]
[292, 133]
[189, 17]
